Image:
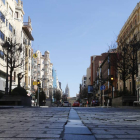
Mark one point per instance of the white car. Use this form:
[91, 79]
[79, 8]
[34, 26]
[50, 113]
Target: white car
[65, 104]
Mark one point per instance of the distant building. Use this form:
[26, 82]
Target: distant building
[60, 85]
[67, 91]
[88, 75]
[54, 78]
[84, 81]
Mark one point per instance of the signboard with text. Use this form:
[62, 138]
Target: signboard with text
[90, 88]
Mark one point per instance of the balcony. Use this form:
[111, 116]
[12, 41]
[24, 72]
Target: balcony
[27, 29]
[28, 24]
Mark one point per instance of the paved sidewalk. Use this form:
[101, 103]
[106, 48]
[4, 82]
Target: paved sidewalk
[112, 123]
[33, 123]
[75, 129]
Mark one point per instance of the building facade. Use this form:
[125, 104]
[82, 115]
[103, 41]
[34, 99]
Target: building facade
[12, 28]
[84, 79]
[130, 28]
[67, 91]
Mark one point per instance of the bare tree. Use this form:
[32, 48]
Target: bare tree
[125, 59]
[133, 46]
[84, 93]
[13, 56]
[64, 97]
[57, 95]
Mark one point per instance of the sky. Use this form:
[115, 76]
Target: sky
[74, 30]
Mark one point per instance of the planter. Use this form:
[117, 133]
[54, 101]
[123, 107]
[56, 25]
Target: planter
[124, 101]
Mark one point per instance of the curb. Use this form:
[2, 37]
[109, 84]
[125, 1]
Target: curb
[8, 107]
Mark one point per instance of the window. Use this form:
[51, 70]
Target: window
[28, 42]
[10, 11]
[10, 27]
[1, 54]
[2, 35]
[16, 14]
[2, 17]
[26, 52]
[29, 53]
[135, 21]
[14, 31]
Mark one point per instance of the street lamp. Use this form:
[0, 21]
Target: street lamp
[39, 85]
[111, 82]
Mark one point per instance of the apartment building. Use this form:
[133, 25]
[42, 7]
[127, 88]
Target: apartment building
[48, 81]
[88, 75]
[27, 38]
[13, 28]
[84, 78]
[130, 28]
[36, 72]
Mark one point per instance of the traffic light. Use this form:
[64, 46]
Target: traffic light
[111, 79]
[38, 83]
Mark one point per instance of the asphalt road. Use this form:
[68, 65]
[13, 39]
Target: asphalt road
[79, 123]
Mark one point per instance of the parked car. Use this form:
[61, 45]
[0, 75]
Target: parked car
[95, 103]
[65, 104]
[76, 104]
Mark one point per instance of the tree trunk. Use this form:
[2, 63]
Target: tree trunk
[124, 85]
[10, 88]
[133, 84]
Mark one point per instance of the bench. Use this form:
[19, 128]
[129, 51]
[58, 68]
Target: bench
[136, 102]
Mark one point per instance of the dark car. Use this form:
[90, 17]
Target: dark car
[76, 104]
[95, 103]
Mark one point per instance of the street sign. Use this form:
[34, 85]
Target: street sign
[102, 87]
[34, 55]
[90, 88]
[35, 83]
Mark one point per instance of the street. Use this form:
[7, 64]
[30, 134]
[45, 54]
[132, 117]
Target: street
[57, 123]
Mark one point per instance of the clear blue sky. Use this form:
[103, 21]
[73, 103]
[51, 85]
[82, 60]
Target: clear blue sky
[74, 30]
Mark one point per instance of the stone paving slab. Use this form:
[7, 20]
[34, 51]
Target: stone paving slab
[3, 135]
[33, 123]
[38, 136]
[103, 132]
[78, 137]
[22, 132]
[112, 123]
[77, 130]
[128, 136]
[17, 138]
[120, 139]
[104, 136]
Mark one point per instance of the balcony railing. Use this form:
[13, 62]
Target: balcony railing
[27, 24]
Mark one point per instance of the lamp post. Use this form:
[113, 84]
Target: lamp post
[111, 81]
[39, 85]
